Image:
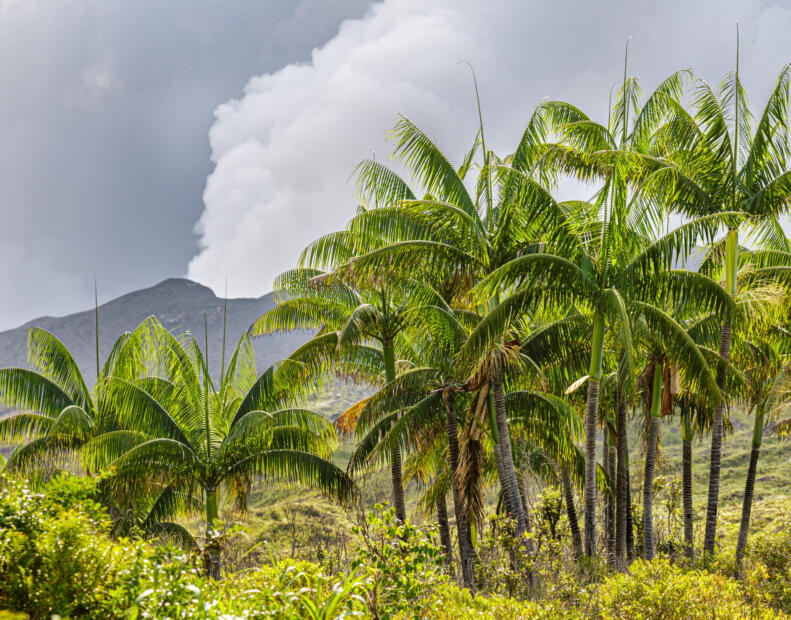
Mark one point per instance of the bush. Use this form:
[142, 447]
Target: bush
[55, 556]
[404, 564]
[659, 589]
[453, 602]
[772, 552]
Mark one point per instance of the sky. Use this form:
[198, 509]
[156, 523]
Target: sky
[214, 139]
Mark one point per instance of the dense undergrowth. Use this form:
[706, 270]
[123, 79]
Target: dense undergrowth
[57, 556]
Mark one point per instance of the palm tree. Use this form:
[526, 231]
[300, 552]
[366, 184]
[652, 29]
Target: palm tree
[177, 429]
[357, 325]
[431, 386]
[449, 239]
[618, 154]
[604, 265]
[763, 362]
[54, 408]
[671, 362]
[713, 162]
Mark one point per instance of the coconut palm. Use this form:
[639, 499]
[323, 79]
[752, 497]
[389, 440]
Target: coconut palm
[427, 398]
[764, 361]
[432, 382]
[600, 263]
[177, 429]
[671, 362]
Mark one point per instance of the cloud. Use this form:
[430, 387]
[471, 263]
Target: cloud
[104, 151]
[283, 151]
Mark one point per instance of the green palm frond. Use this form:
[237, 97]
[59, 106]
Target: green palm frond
[52, 359]
[429, 166]
[379, 186]
[137, 410]
[72, 423]
[295, 467]
[28, 390]
[99, 452]
[19, 427]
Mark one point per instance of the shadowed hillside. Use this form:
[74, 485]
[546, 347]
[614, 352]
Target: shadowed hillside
[179, 304]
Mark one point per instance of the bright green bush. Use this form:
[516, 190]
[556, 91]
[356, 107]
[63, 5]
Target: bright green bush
[453, 602]
[659, 589]
[404, 564]
[55, 556]
[772, 552]
[287, 590]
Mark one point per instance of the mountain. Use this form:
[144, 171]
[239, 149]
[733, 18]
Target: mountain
[178, 303]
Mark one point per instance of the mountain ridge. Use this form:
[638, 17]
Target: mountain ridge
[179, 303]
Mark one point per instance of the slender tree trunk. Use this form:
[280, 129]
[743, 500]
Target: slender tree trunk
[712, 504]
[591, 419]
[621, 485]
[571, 512]
[650, 461]
[444, 529]
[212, 552]
[749, 486]
[396, 475]
[590, 467]
[507, 469]
[686, 476]
[462, 522]
[608, 465]
[629, 515]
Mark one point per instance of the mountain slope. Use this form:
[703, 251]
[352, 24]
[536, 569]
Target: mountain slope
[178, 303]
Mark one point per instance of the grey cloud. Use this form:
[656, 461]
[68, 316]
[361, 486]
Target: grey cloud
[284, 150]
[106, 107]
[105, 110]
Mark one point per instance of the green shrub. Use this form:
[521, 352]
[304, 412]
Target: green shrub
[453, 602]
[403, 562]
[55, 556]
[659, 589]
[772, 551]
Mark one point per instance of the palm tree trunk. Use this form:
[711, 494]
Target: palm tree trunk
[749, 485]
[212, 560]
[608, 465]
[712, 504]
[396, 475]
[444, 529]
[621, 485]
[629, 515]
[462, 523]
[506, 467]
[571, 512]
[686, 476]
[650, 460]
[591, 419]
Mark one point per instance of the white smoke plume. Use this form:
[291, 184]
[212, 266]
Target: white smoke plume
[284, 151]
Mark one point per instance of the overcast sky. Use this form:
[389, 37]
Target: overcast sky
[146, 139]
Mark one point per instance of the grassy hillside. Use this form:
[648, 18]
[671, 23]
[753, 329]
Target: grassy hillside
[295, 519]
[773, 481]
